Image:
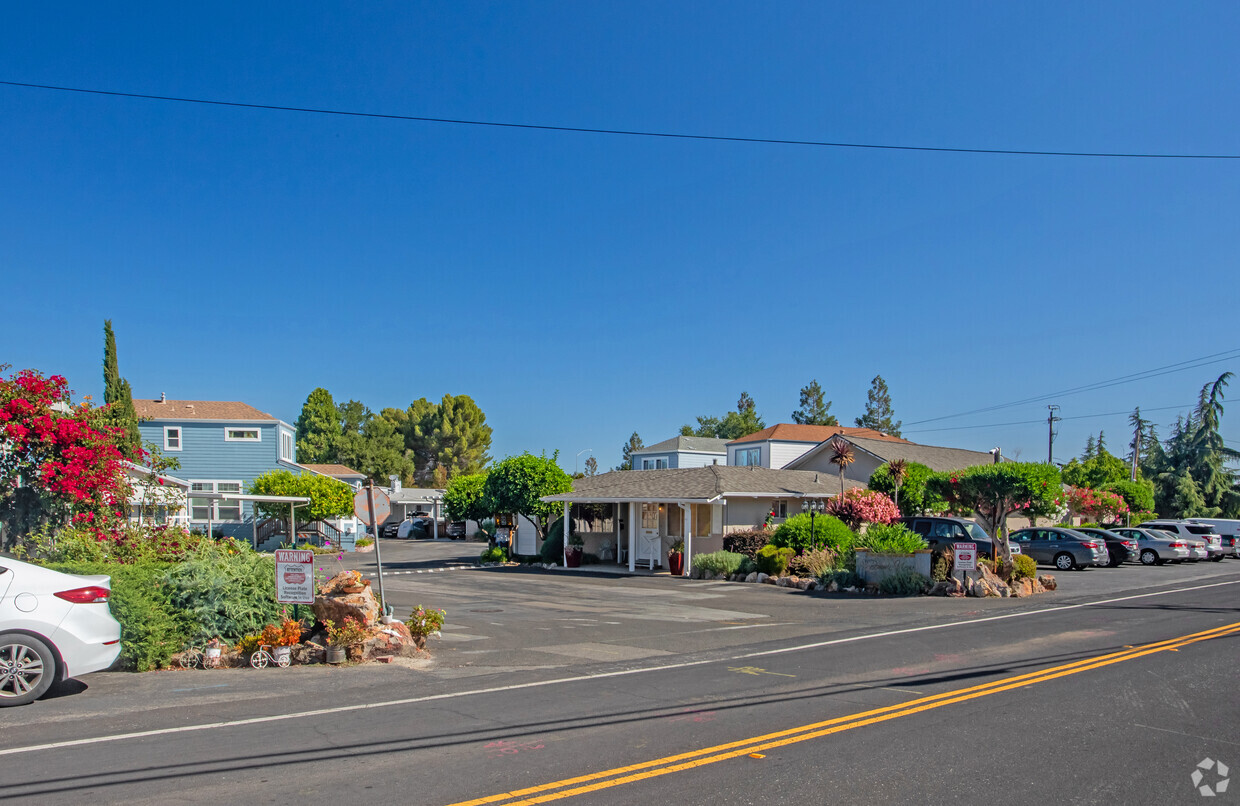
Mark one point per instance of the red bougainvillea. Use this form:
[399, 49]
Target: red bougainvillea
[858, 506]
[1096, 505]
[64, 455]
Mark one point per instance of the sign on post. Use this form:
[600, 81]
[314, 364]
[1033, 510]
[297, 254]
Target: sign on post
[361, 506]
[294, 576]
[966, 556]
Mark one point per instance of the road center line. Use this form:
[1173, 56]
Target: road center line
[258, 720]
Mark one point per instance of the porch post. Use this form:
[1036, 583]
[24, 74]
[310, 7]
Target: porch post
[688, 508]
[568, 525]
[435, 519]
[632, 536]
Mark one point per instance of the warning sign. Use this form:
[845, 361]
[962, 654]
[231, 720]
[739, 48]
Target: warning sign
[294, 576]
[966, 556]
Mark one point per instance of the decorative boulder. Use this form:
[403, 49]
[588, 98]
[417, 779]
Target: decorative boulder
[752, 577]
[392, 641]
[1047, 581]
[337, 606]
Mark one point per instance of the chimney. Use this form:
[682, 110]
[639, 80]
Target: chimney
[163, 398]
[395, 479]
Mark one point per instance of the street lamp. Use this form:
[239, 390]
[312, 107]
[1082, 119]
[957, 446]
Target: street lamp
[813, 508]
[578, 456]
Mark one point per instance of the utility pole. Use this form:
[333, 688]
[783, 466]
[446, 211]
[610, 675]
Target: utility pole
[1051, 419]
[1136, 446]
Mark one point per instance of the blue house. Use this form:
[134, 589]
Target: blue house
[681, 452]
[222, 447]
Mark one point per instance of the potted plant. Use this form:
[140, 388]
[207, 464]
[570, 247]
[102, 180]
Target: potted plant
[343, 639]
[574, 550]
[676, 558]
[282, 639]
[215, 649]
[424, 621]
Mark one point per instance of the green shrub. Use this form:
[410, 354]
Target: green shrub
[1024, 567]
[225, 594]
[494, 554]
[748, 566]
[552, 549]
[151, 628]
[773, 560]
[128, 543]
[904, 582]
[895, 538]
[940, 566]
[829, 532]
[364, 542]
[746, 543]
[718, 562]
[843, 578]
[812, 563]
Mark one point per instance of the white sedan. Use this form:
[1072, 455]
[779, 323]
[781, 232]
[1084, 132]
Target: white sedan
[53, 626]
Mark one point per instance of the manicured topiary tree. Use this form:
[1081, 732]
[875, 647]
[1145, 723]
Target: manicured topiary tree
[518, 484]
[329, 498]
[996, 491]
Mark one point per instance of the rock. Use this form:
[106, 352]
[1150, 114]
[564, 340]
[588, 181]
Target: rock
[832, 586]
[1047, 581]
[337, 607]
[940, 589]
[393, 640]
[811, 585]
[752, 577]
[763, 577]
[309, 652]
[738, 577]
[996, 584]
[783, 581]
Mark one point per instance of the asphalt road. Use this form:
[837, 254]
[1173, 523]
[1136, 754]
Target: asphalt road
[548, 686]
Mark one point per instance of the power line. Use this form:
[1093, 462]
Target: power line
[625, 132]
[1192, 363]
[1039, 422]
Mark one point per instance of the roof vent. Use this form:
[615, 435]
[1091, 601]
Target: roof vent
[395, 479]
[815, 478]
[163, 398]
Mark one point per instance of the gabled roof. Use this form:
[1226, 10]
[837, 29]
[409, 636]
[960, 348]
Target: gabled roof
[334, 471]
[795, 432]
[693, 444]
[199, 410]
[933, 457]
[702, 484]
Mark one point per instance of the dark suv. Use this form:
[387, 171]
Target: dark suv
[1122, 549]
[940, 533]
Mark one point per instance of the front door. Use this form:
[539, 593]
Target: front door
[649, 538]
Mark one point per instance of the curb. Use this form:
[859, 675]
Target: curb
[422, 571]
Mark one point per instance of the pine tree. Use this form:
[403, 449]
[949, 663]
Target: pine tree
[1090, 448]
[879, 414]
[634, 444]
[318, 429]
[118, 396]
[460, 436]
[813, 410]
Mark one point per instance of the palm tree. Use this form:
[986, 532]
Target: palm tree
[898, 468]
[842, 456]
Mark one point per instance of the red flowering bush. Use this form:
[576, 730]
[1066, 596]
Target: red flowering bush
[858, 506]
[61, 464]
[1096, 505]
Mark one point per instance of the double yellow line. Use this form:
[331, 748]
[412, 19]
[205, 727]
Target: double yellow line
[619, 776]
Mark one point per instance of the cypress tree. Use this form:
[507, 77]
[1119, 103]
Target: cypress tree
[118, 396]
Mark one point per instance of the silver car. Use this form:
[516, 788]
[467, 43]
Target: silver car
[1193, 532]
[1155, 547]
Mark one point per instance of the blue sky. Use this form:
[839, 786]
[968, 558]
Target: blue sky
[583, 286]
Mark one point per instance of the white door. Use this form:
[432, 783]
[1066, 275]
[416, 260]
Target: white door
[649, 540]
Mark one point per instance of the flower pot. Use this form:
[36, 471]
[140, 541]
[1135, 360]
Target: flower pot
[213, 655]
[353, 589]
[335, 654]
[572, 556]
[676, 563]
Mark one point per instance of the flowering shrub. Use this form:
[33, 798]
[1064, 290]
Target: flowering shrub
[349, 633]
[858, 506]
[996, 491]
[425, 621]
[1097, 505]
[288, 633]
[69, 462]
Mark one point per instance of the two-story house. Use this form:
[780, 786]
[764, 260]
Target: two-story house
[222, 446]
[778, 446]
[681, 452]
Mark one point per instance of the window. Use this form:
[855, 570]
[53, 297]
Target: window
[654, 464]
[242, 435]
[172, 438]
[650, 516]
[780, 508]
[286, 446]
[749, 457]
[204, 509]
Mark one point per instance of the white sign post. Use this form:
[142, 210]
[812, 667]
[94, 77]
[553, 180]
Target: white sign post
[373, 507]
[965, 560]
[294, 576]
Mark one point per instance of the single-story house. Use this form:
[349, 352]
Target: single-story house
[681, 452]
[869, 454]
[634, 516]
[156, 497]
[779, 445]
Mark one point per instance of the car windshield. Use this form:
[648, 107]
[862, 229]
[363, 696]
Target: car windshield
[978, 533]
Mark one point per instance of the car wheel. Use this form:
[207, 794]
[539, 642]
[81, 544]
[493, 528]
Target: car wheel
[1218, 558]
[27, 669]
[1065, 561]
[1149, 557]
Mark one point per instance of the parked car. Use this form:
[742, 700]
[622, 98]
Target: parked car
[1228, 531]
[1193, 532]
[1122, 549]
[1155, 547]
[940, 533]
[1065, 549]
[52, 626]
[457, 530]
[392, 529]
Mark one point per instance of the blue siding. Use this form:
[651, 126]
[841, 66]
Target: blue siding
[206, 455]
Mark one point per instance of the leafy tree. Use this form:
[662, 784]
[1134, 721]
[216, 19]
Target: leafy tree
[464, 499]
[372, 444]
[814, 411]
[1190, 470]
[634, 444]
[329, 498]
[519, 482]
[318, 429]
[118, 397]
[733, 425]
[913, 497]
[878, 411]
[1138, 495]
[994, 492]
[591, 466]
[1097, 471]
